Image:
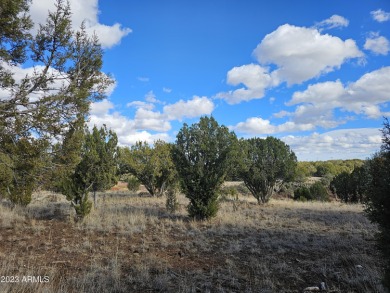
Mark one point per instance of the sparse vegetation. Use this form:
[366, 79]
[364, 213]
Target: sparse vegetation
[132, 244]
[150, 243]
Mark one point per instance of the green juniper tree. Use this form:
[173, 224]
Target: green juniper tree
[96, 171]
[152, 166]
[201, 155]
[378, 196]
[41, 108]
[265, 165]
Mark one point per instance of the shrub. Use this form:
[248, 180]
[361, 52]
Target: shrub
[133, 183]
[317, 191]
[302, 194]
[202, 155]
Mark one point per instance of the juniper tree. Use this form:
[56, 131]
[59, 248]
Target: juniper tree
[378, 196]
[97, 170]
[152, 166]
[47, 83]
[265, 164]
[202, 158]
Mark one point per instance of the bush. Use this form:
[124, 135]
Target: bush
[133, 183]
[317, 191]
[202, 155]
[302, 194]
[171, 203]
[378, 199]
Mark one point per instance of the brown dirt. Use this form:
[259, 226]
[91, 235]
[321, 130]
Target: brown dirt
[287, 248]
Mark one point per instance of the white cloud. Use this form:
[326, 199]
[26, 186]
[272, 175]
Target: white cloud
[379, 45]
[196, 107]
[380, 15]
[303, 53]
[255, 78]
[82, 10]
[147, 125]
[149, 120]
[129, 131]
[101, 108]
[259, 126]
[141, 104]
[143, 78]
[132, 138]
[368, 93]
[317, 103]
[333, 22]
[151, 97]
[337, 144]
[167, 90]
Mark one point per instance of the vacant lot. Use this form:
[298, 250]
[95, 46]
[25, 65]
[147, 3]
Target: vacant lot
[131, 244]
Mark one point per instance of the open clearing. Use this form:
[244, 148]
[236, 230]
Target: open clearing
[131, 244]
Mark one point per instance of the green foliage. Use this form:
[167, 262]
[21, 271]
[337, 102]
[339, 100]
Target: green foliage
[352, 187]
[22, 161]
[201, 156]
[316, 191]
[329, 168]
[133, 183]
[15, 24]
[265, 165]
[44, 105]
[153, 167]
[302, 194]
[6, 167]
[378, 196]
[172, 204]
[96, 171]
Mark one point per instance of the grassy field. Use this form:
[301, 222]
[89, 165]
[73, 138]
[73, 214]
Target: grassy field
[130, 243]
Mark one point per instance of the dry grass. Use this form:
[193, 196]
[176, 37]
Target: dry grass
[131, 244]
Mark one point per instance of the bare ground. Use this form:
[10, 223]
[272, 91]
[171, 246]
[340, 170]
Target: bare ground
[131, 244]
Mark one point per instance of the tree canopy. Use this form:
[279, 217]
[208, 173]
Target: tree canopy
[47, 84]
[201, 155]
[264, 164]
[152, 166]
[96, 171]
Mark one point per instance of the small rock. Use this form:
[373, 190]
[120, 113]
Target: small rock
[322, 286]
[311, 289]
[359, 266]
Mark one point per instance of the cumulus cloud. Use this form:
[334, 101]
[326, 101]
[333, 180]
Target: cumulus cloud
[333, 22]
[82, 10]
[336, 144]
[259, 126]
[146, 119]
[379, 45]
[297, 53]
[129, 131]
[195, 107]
[303, 53]
[141, 104]
[317, 103]
[147, 125]
[380, 15]
[315, 106]
[254, 77]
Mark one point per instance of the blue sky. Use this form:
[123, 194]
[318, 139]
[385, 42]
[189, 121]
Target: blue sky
[315, 74]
